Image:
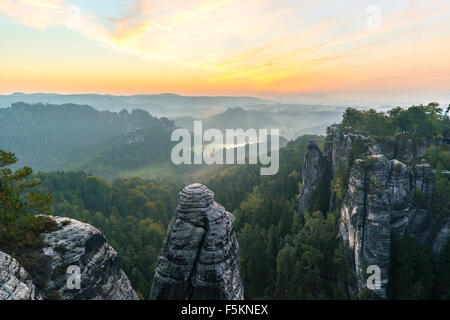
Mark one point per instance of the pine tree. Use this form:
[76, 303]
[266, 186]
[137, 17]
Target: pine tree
[17, 204]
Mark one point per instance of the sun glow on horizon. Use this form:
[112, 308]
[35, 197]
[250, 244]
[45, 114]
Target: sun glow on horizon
[229, 47]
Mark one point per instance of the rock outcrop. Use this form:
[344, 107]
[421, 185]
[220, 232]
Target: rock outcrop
[365, 218]
[134, 135]
[15, 282]
[315, 170]
[200, 254]
[76, 250]
[383, 178]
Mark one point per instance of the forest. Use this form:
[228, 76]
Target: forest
[78, 137]
[283, 255]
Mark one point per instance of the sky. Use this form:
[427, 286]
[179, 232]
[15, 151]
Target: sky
[304, 51]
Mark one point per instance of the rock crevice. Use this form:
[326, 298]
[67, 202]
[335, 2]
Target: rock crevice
[74, 244]
[315, 170]
[380, 200]
[200, 254]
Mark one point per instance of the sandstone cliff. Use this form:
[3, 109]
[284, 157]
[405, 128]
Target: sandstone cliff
[45, 275]
[315, 170]
[200, 254]
[382, 178]
[15, 282]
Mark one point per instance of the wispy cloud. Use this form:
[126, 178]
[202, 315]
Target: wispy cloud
[262, 43]
[34, 13]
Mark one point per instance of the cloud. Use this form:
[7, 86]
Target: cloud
[34, 13]
[261, 42]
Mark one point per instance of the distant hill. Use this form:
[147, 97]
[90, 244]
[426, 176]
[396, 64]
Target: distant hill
[53, 137]
[168, 105]
[292, 121]
[50, 137]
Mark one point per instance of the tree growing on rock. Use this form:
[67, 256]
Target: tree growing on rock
[19, 205]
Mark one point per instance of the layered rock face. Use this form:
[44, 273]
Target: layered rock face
[200, 254]
[365, 218]
[315, 169]
[15, 282]
[380, 198]
[73, 247]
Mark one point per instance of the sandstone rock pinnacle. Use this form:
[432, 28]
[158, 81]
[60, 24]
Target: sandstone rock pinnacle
[200, 254]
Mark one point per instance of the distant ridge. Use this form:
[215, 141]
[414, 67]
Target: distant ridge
[164, 104]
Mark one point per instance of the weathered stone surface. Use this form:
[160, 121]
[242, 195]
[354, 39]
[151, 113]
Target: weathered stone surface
[340, 144]
[365, 223]
[401, 196]
[15, 283]
[73, 244]
[315, 169]
[441, 236]
[82, 245]
[380, 199]
[402, 147]
[200, 254]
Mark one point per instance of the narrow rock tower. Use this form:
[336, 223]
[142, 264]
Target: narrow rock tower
[315, 171]
[200, 254]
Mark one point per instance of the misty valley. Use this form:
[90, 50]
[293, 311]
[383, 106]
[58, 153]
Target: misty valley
[221, 158]
[357, 191]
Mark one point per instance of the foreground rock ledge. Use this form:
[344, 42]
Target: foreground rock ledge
[15, 283]
[200, 254]
[73, 244]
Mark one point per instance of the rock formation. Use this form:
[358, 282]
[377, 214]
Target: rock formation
[315, 169]
[15, 282]
[365, 217]
[383, 178]
[200, 254]
[73, 244]
[134, 135]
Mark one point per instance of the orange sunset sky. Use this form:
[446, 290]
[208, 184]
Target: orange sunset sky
[304, 51]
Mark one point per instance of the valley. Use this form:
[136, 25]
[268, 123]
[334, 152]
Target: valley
[122, 182]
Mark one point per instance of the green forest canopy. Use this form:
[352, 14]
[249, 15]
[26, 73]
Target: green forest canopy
[283, 255]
